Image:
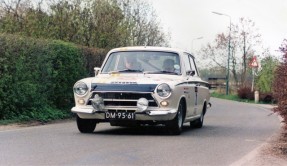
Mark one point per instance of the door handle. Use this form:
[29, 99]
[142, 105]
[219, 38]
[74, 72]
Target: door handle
[196, 87]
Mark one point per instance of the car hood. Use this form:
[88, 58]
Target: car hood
[135, 79]
[130, 82]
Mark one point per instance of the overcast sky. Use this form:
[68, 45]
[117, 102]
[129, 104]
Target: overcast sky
[191, 19]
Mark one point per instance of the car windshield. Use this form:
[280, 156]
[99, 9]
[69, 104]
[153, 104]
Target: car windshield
[152, 62]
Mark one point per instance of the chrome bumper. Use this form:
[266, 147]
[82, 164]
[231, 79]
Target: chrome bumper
[157, 115]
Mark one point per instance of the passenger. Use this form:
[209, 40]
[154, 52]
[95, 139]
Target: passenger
[168, 65]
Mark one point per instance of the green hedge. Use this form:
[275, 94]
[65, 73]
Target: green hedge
[37, 76]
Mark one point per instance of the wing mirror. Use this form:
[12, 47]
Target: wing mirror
[190, 72]
[97, 70]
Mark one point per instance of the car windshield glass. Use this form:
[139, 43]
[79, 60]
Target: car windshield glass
[151, 62]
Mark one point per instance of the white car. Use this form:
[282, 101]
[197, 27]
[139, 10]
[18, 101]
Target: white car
[143, 85]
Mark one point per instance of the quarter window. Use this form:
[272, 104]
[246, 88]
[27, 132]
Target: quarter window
[186, 62]
[192, 63]
[189, 63]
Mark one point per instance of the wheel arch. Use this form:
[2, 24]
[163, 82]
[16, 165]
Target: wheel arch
[204, 108]
[183, 101]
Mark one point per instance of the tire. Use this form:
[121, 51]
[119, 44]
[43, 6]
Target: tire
[199, 122]
[175, 125]
[86, 125]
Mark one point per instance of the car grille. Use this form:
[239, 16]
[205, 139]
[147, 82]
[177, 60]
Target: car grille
[124, 98]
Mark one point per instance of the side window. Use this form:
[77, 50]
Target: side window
[186, 62]
[192, 63]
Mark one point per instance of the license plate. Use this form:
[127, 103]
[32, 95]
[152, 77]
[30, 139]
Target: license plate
[120, 115]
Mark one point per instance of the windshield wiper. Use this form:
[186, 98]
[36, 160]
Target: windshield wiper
[162, 72]
[129, 70]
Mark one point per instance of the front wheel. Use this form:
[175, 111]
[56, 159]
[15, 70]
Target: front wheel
[86, 125]
[175, 125]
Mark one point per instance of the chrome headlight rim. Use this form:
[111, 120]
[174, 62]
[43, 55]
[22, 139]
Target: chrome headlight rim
[80, 88]
[163, 90]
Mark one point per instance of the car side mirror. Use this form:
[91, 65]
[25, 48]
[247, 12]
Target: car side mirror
[190, 72]
[97, 70]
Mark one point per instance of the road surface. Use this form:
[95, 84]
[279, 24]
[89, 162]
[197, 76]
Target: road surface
[231, 130]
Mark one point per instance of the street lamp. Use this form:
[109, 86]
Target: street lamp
[195, 39]
[227, 76]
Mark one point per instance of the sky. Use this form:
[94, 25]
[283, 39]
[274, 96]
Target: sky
[188, 20]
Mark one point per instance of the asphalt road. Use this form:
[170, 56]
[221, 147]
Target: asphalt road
[231, 130]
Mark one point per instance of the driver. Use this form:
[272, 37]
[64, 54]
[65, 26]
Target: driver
[131, 63]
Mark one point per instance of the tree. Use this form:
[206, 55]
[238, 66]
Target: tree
[12, 15]
[248, 38]
[244, 40]
[107, 17]
[265, 77]
[93, 23]
[142, 24]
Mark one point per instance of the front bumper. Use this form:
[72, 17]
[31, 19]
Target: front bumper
[148, 115]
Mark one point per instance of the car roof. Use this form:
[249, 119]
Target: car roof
[150, 48]
[146, 48]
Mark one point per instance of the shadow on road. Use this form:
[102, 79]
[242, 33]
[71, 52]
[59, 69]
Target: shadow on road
[206, 131]
[143, 130]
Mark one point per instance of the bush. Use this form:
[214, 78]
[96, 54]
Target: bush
[245, 93]
[37, 75]
[266, 97]
[280, 84]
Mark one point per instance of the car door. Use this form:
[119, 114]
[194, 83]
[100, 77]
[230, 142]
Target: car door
[189, 88]
[196, 81]
[201, 88]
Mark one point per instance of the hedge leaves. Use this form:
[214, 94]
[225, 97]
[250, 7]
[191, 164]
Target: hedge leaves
[37, 76]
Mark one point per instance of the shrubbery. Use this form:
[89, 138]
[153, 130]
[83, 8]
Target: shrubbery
[266, 98]
[245, 93]
[37, 76]
[280, 84]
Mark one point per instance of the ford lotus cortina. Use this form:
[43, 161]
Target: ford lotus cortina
[143, 86]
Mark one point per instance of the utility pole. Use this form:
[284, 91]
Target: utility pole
[228, 58]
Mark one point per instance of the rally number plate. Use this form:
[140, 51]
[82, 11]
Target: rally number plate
[120, 115]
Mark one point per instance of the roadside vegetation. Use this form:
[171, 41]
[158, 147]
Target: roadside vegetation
[280, 84]
[272, 83]
[236, 97]
[45, 46]
[268, 76]
[37, 76]
[224, 96]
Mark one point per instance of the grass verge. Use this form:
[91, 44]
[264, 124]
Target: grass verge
[234, 98]
[42, 117]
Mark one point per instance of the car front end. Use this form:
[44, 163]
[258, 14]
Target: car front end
[109, 98]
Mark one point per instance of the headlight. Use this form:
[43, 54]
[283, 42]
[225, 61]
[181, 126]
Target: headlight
[163, 90]
[80, 88]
